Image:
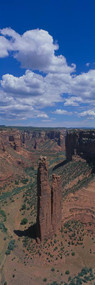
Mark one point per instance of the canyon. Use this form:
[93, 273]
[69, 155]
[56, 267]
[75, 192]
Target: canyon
[21, 147]
[47, 206]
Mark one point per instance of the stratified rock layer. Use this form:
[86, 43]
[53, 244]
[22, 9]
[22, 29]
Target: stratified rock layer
[44, 201]
[81, 143]
[49, 210]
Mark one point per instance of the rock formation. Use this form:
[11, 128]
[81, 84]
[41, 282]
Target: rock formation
[19, 146]
[81, 143]
[44, 201]
[49, 202]
[10, 138]
[29, 138]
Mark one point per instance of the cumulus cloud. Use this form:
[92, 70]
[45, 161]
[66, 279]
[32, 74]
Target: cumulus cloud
[5, 47]
[48, 78]
[35, 50]
[30, 83]
[83, 85]
[16, 107]
[90, 113]
[35, 91]
[62, 112]
[73, 101]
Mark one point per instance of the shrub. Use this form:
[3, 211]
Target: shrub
[45, 279]
[52, 269]
[23, 207]
[67, 272]
[2, 213]
[7, 252]
[13, 275]
[24, 221]
[16, 182]
[3, 228]
[4, 238]
[73, 253]
[24, 181]
[11, 244]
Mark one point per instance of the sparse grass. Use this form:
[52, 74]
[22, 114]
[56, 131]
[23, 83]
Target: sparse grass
[71, 171]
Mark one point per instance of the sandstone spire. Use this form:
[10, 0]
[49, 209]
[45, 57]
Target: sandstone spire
[49, 210]
[44, 201]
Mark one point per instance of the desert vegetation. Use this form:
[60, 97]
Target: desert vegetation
[69, 256]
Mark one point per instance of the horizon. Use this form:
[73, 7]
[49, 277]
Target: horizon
[47, 56]
[37, 127]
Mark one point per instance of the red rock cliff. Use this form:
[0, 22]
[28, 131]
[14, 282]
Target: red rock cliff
[82, 143]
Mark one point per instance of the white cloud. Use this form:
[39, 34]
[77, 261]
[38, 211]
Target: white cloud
[83, 85]
[34, 91]
[48, 78]
[62, 112]
[73, 101]
[15, 107]
[30, 83]
[5, 47]
[43, 115]
[90, 113]
[88, 64]
[35, 49]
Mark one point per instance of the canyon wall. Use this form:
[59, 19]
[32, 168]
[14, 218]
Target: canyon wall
[29, 138]
[39, 137]
[80, 143]
[10, 138]
[20, 147]
[49, 208]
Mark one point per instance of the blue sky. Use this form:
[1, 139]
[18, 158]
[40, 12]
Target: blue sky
[47, 63]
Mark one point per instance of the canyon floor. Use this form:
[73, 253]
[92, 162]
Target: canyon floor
[67, 258]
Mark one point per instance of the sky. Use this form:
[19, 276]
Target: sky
[47, 63]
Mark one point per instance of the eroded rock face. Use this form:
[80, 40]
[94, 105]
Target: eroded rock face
[49, 210]
[10, 138]
[16, 145]
[44, 201]
[80, 143]
[16, 139]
